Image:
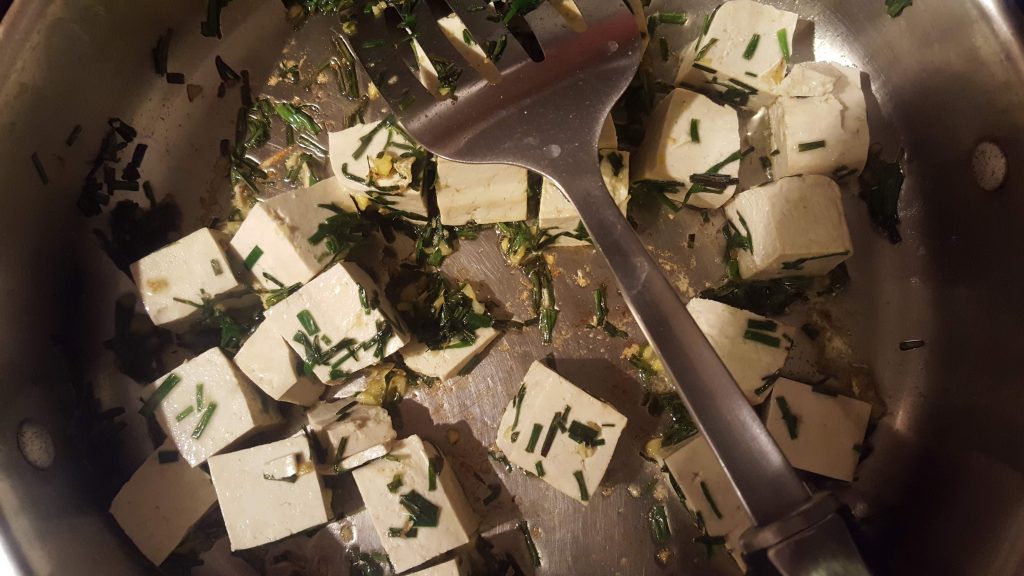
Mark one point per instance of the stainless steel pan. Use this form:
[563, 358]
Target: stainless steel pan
[942, 492]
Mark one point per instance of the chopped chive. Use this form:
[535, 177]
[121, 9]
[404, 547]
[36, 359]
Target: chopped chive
[792, 422]
[217, 268]
[695, 130]
[768, 382]
[711, 501]
[199, 396]
[339, 455]
[373, 43]
[422, 512]
[783, 37]
[762, 338]
[765, 325]
[308, 322]
[583, 434]
[467, 37]
[517, 401]
[75, 132]
[911, 345]
[677, 18]
[751, 74]
[540, 469]
[751, 47]
[582, 482]
[524, 527]
[363, 301]
[400, 533]
[495, 48]
[396, 484]
[495, 492]
[704, 68]
[766, 162]
[704, 51]
[167, 456]
[663, 48]
[159, 394]
[184, 413]
[808, 146]
[39, 168]
[160, 53]
[659, 524]
[534, 437]
[253, 257]
[798, 264]
[204, 420]
[549, 439]
[175, 78]
[434, 467]
[227, 73]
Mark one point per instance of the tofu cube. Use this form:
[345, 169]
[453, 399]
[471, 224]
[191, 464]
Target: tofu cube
[480, 193]
[744, 49]
[268, 360]
[371, 160]
[206, 404]
[455, 30]
[689, 134]
[709, 493]
[161, 502]
[820, 124]
[817, 432]
[447, 362]
[752, 347]
[192, 269]
[416, 504]
[274, 240]
[362, 433]
[339, 322]
[452, 567]
[556, 431]
[796, 227]
[263, 502]
[557, 213]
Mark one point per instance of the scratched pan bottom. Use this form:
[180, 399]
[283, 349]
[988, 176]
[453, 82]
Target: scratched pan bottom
[948, 455]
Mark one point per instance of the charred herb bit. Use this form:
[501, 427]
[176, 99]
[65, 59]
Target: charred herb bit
[659, 524]
[161, 52]
[894, 8]
[880, 185]
[783, 37]
[790, 419]
[73, 135]
[227, 74]
[911, 345]
[500, 459]
[711, 501]
[211, 26]
[531, 546]
[582, 483]
[710, 542]
[365, 564]
[767, 383]
[714, 182]
[616, 161]
[751, 48]
[763, 297]
[40, 170]
[422, 512]
[167, 456]
[204, 420]
[798, 264]
[159, 394]
[175, 78]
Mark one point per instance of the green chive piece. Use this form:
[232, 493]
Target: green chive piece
[677, 18]
[711, 501]
[808, 146]
[399, 533]
[396, 484]
[540, 469]
[752, 47]
[199, 396]
[534, 437]
[584, 494]
[253, 257]
[695, 130]
[764, 325]
[434, 467]
[204, 420]
[580, 433]
[792, 422]
[663, 48]
[762, 338]
[517, 401]
[216, 267]
[308, 322]
[783, 37]
[467, 37]
[422, 512]
[704, 51]
[659, 524]
[159, 394]
[184, 413]
[363, 301]
[524, 527]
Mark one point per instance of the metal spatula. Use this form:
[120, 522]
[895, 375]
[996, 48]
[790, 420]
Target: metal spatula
[546, 116]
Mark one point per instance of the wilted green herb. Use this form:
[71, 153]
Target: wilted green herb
[880, 185]
[896, 7]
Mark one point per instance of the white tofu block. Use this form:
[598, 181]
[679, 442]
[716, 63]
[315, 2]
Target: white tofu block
[274, 238]
[455, 30]
[796, 225]
[370, 160]
[259, 510]
[608, 139]
[445, 363]
[268, 360]
[328, 312]
[572, 449]
[750, 357]
[481, 193]
[161, 502]
[557, 214]
[408, 469]
[827, 431]
[725, 47]
[186, 269]
[452, 567]
[231, 406]
[364, 433]
[707, 489]
[669, 151]
[820, 124]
